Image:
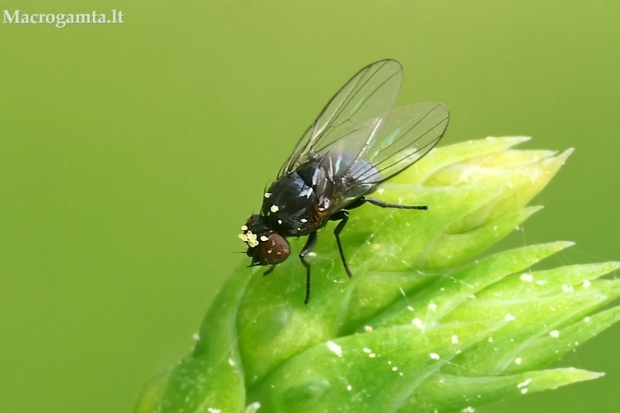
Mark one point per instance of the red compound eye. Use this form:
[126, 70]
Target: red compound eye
[272, 251]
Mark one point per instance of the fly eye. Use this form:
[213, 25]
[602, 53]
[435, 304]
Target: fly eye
[273, 250]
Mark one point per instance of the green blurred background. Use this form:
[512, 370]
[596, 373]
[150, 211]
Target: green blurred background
[130, 155]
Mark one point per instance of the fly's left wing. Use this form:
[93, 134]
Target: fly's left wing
[367, 95]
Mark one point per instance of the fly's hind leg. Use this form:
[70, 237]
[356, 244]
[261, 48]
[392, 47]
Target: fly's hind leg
[343, 217]
[384, 204]
[302, 256]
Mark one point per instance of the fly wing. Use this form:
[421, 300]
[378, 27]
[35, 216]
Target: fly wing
[367, 95]
[385, 146]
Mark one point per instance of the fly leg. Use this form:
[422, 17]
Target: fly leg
[343, 217]
[270, 270]
[302, 256]
[384, 204]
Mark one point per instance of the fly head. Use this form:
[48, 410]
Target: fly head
[265, 246]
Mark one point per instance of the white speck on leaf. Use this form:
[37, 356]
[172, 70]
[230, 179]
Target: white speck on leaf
[554, 333]
[335, 348]
[510, 317]
[252, 408]
[434, 356]
[527, 277]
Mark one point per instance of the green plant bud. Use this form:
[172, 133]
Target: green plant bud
[424, 325]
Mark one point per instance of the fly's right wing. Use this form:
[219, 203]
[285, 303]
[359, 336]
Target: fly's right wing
[385, 146]
[367, 95]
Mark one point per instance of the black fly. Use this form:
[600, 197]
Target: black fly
[356, 143]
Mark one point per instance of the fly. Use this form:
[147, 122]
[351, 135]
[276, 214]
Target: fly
[357, 142]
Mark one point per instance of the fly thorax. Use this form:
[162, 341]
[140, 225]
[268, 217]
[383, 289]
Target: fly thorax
[289, 199]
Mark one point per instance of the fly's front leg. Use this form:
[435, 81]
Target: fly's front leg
[302, 256]
[343, 217]
[384, 204]
[269, 271]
